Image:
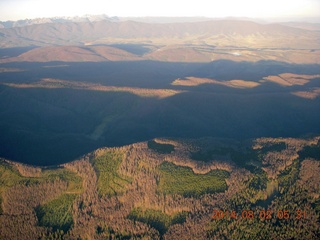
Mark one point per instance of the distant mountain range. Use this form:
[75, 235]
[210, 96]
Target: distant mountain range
[103, 38]
[28, 22]
[105, 30]
[102, 17]
[96, 18]
[311, 24]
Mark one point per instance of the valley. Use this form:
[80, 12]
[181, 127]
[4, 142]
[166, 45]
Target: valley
[121, 102]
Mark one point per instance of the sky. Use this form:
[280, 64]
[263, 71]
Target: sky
[286, 9]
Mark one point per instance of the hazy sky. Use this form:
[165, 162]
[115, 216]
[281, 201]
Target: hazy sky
[22, 9]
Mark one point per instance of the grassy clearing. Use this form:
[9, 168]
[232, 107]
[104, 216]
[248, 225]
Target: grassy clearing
[57, 213]
[182, 180]
[9, 177]
[157, 219]
[110, 182]
[74, 181]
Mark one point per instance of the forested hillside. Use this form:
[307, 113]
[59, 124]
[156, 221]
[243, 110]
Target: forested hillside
[266, 188]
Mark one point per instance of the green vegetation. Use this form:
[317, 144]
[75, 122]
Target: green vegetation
[258, 181]
[74, 181]
[157, 219]
[289, 176]
[160, 147]
[256, 188]
[54, 214]
[182, 180]
[9, 176]
[57, 213]
[110, 181]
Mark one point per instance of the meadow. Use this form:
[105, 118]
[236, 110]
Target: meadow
[182, 180]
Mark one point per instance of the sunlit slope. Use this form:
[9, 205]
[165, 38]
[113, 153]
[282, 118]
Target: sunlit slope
[174, 42]
[166, 52]
[220, 32]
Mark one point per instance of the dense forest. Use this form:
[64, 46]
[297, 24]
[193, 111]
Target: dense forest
[208, 188]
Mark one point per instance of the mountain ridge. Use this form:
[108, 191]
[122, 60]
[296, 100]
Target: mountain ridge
[130, 31]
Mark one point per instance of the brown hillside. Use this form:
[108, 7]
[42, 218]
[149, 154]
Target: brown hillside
[113, 54]
[73, 54]
[306, 26]
[179, 54]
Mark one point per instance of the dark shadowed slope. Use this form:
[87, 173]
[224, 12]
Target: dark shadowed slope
[54, 112]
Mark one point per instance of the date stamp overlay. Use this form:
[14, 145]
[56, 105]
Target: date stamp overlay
[259, 214]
